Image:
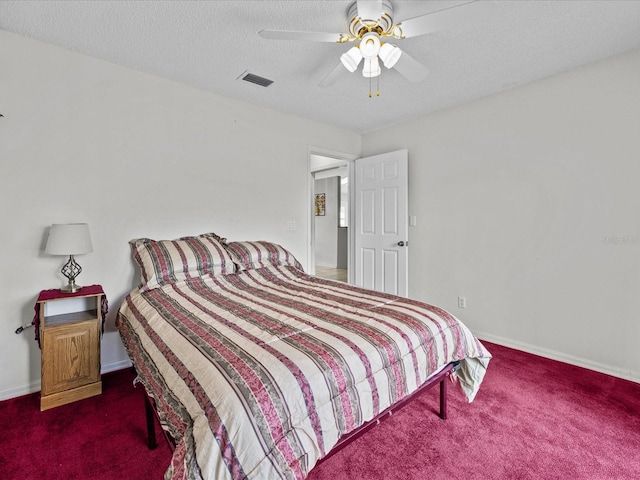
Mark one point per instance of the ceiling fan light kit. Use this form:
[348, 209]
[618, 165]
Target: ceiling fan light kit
[371, 20]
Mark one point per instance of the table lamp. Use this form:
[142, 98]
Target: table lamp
[69, 239]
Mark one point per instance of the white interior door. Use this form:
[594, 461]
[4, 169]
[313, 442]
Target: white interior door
[381, 222]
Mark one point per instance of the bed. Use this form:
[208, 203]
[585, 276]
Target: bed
[258, 370]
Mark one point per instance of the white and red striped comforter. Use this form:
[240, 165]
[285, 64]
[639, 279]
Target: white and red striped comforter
[258, 374]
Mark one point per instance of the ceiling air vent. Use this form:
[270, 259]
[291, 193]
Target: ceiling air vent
[258, 80]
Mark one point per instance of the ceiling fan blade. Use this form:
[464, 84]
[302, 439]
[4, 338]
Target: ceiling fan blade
[370, 9]
[307, 36]
[332, 76]
[410, 68]
[450, 18]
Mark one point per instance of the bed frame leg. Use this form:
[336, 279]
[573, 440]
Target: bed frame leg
[443, 398]
[151, 427]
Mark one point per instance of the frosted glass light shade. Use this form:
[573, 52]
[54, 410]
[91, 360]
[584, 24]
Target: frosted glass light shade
[69, 239]
[371, 67]
[370, 45]
[389, 54]
[351, 59]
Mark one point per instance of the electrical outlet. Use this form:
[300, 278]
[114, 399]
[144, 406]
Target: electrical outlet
[462, 302]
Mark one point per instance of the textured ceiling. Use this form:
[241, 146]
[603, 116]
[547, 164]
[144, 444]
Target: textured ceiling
[209, 44]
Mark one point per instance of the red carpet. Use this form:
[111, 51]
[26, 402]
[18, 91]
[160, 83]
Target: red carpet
[533, 419]
[100, 437]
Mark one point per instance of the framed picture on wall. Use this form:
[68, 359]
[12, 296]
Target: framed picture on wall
[320, 204]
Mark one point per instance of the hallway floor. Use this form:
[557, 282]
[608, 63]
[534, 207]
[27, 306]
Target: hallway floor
[339, 274]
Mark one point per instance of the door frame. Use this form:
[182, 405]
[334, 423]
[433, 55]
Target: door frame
[340, 157]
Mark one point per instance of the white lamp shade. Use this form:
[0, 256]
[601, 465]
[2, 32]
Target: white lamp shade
[371, 67]
[69, 239]
[351, 59]
[370, 45]
[389, 54]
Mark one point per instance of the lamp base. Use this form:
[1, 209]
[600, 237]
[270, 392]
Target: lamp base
[71, 287]
[71, 270]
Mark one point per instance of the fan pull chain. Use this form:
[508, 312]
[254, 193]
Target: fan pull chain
[377, 85]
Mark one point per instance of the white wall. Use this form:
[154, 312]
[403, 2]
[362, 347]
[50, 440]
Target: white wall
[528, 204]
[133, 155]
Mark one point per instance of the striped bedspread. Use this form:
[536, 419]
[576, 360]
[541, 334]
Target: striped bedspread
[258, 374]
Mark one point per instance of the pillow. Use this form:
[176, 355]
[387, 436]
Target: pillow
[163, 262]
[220, 239]
[248, 255]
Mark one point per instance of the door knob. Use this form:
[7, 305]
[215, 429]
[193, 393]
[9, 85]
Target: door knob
[402, 243]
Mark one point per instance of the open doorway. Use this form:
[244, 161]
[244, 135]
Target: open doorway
[331, 216]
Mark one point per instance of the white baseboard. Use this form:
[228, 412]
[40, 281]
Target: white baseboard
[20, 390]
[119, 365]
[35, 386]
[562, 357]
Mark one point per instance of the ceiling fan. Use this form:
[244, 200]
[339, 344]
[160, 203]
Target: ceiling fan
[371, 25]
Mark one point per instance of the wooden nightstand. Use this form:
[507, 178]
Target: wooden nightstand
[70, 344]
